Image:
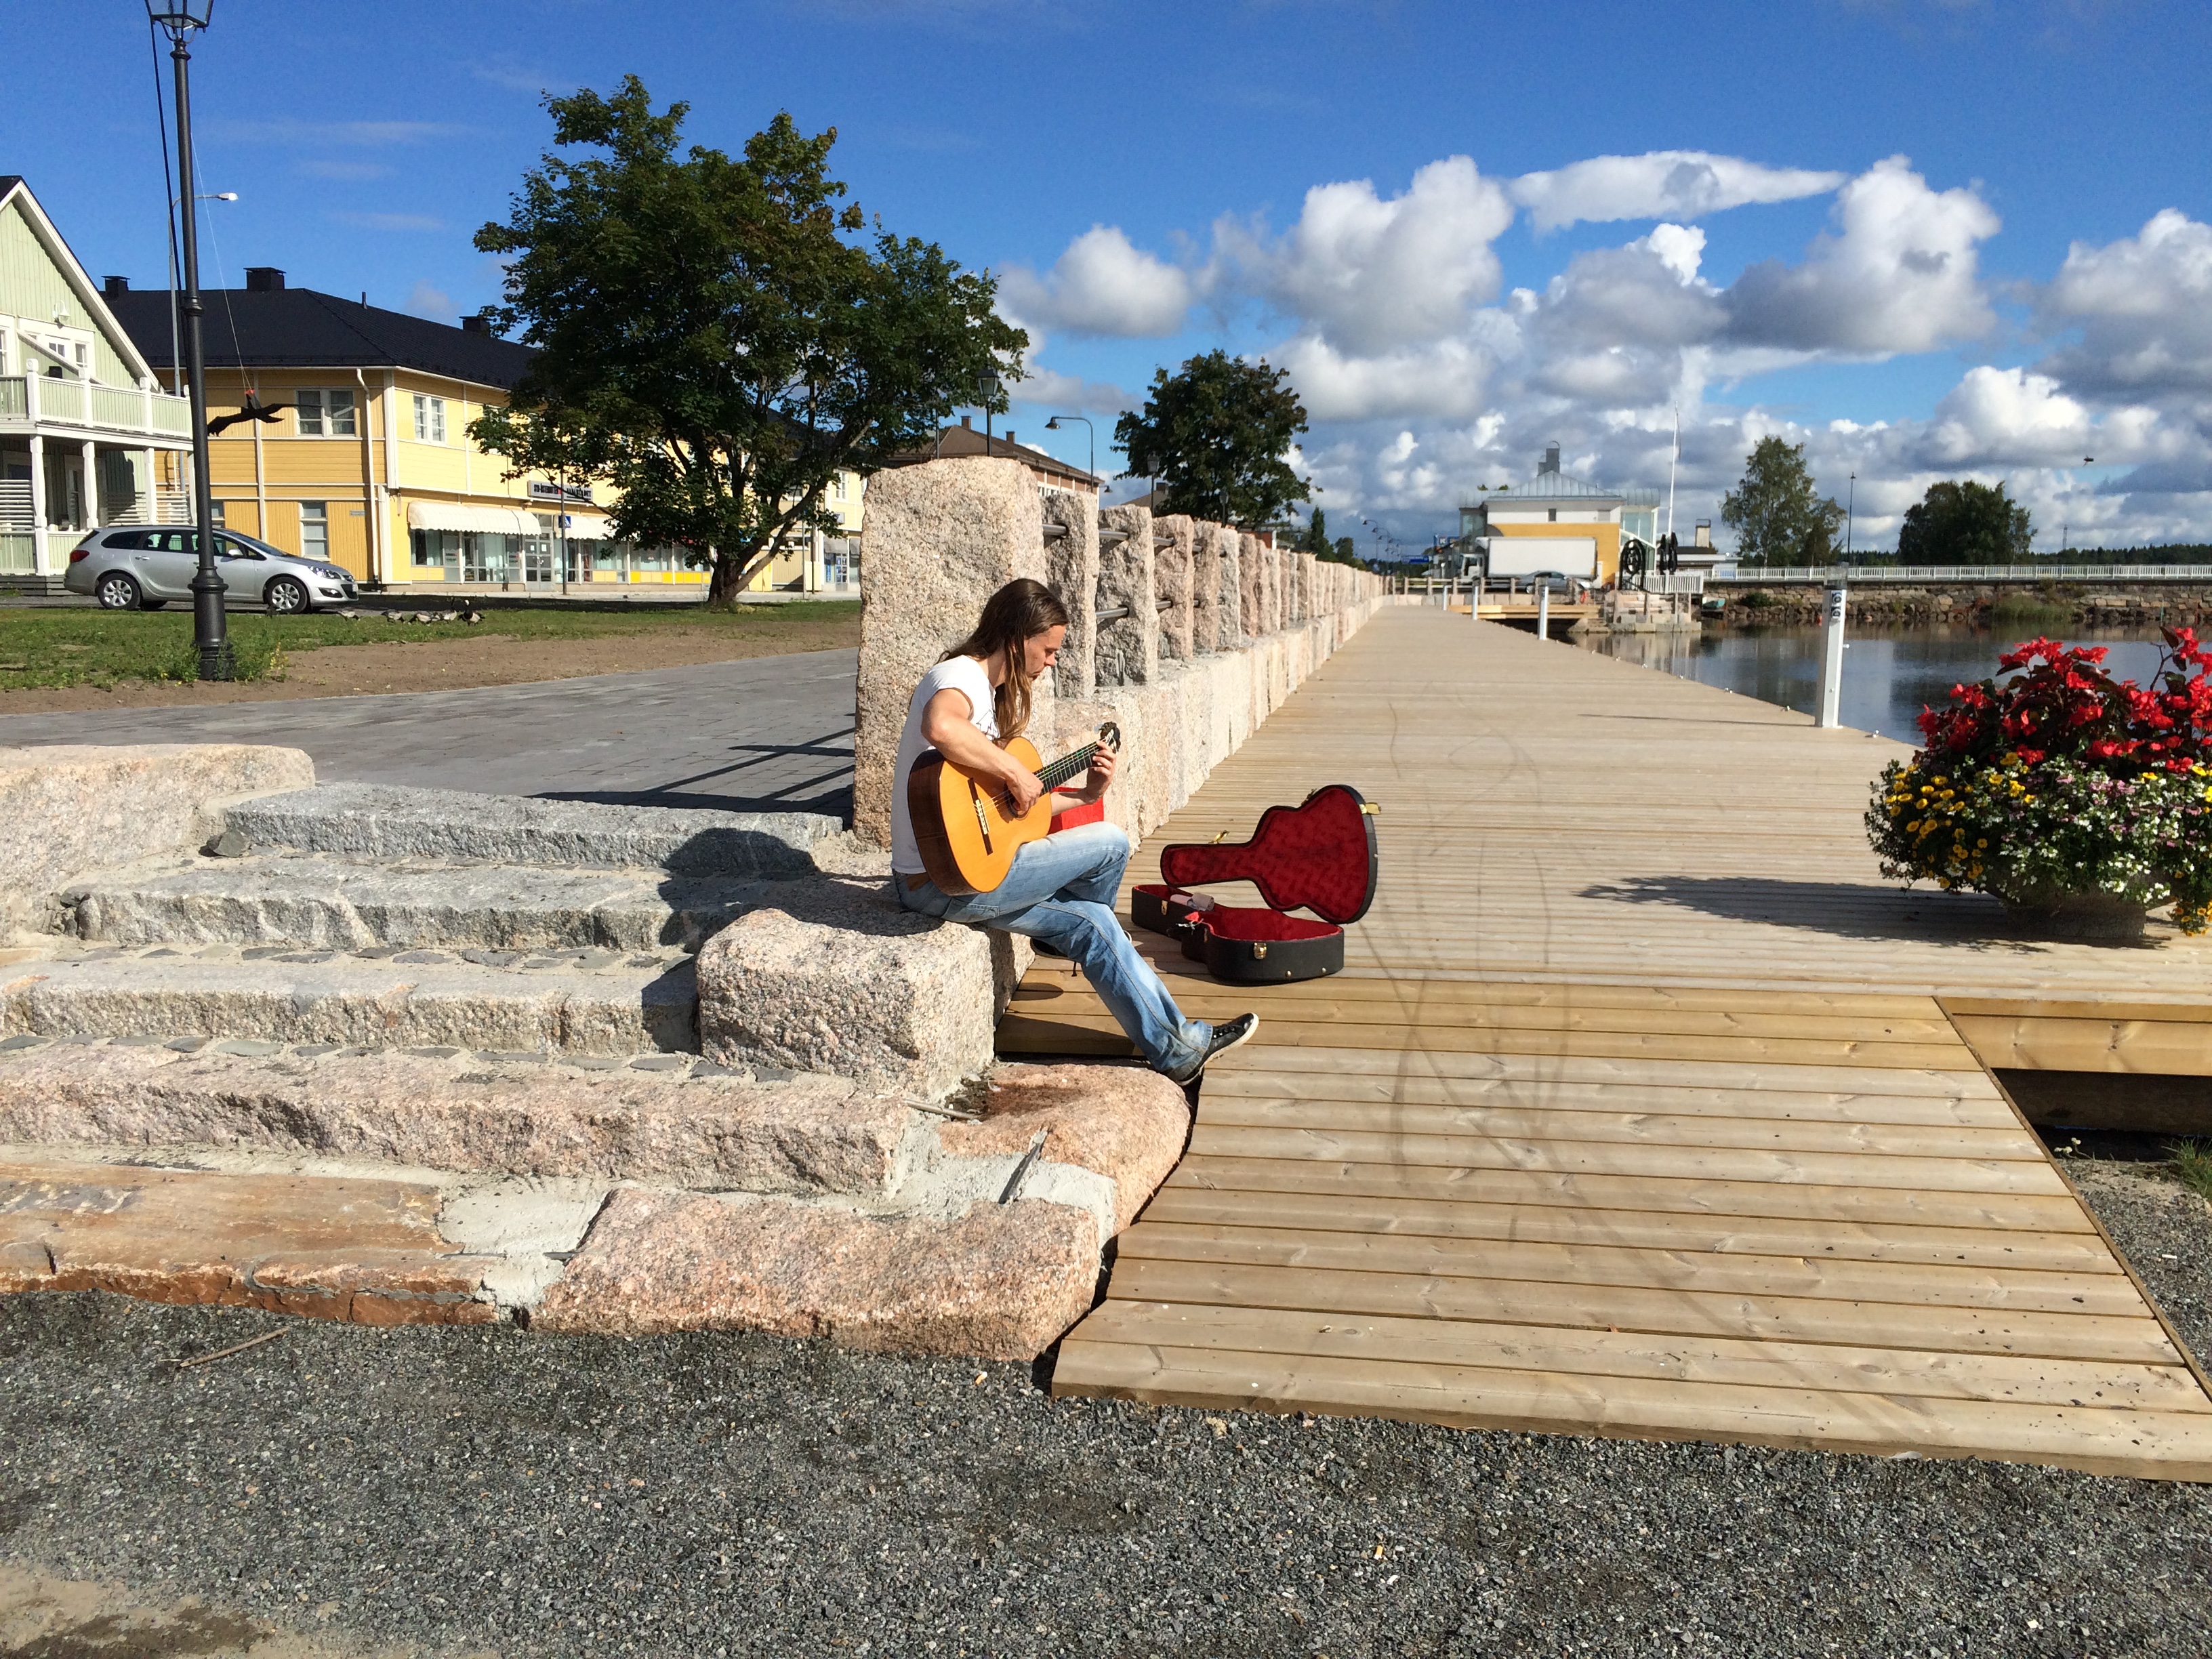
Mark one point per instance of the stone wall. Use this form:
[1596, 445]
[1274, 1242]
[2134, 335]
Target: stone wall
[67, 810]
[1129, 652]
[1072, 572]
[1173, 539]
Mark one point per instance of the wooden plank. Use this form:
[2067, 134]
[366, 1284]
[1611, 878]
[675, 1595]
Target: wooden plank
[1826, 1367]
[1593, 1260]
[2162, 1048]
[2144, 1444]
[2138, 1340]
[1953, 1175]
[1755, 1133]
[2054, 1212]
[1965, 1082]
[1823, 1238]
[1022, 1032]
[1232, 1083]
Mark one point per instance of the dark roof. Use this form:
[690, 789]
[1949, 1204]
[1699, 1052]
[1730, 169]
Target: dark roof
[299, 328]
[966, 440]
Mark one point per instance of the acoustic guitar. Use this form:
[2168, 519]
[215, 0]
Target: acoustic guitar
[966, 826]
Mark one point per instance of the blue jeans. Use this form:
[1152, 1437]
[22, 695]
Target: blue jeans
[1060, 892]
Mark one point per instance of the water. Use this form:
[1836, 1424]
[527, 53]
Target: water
[1889, 674]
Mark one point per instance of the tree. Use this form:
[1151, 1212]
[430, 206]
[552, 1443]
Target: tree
[1965, 523]
[1347, 551]
[1777, 516]
[1215, 434]
[1316, 539]
[714, 339]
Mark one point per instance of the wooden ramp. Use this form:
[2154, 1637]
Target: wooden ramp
[1638, 1110]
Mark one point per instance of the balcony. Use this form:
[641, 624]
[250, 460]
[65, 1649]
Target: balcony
[32, 402]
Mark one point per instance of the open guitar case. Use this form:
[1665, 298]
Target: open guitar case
[1318, 856]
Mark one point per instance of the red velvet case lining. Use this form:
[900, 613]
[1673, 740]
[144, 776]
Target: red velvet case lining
[1318, 856]
[1245, 922]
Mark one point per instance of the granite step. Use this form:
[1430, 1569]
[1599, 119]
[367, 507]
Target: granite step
[670, 1119]
[386, 821]
[319, 901]
[571, 1002]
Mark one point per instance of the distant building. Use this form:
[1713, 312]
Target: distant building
[362, 455]
[1556, 522]
[88, 436]
[1050, 471]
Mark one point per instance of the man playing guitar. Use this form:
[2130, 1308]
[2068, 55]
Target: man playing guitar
[1059, 890]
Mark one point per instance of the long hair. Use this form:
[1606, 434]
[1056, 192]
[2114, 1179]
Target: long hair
[1012, 616]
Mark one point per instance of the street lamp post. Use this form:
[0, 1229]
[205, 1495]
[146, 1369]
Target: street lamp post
[1053, 425]
[180, 19]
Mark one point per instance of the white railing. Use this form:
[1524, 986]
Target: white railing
[50, 400]
[1871, 575]
[18, 553]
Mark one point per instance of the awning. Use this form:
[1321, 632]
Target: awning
[584, 526]
[461, 515]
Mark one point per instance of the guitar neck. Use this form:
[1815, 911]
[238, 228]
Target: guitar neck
[1067, 767]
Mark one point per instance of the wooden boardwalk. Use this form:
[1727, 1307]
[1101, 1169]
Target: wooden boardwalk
[1643, 1107]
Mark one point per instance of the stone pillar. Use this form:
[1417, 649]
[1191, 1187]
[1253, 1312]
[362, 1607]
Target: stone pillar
[1252, 584]
[1129, 650]
[941, 537]
[1072, 566]
[1228, 589]
[1206, 613]
[1174, 538]
[1310, 600]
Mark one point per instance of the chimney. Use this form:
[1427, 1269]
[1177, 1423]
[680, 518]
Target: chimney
[1010, 435]
[967, 422]
[115, 285]
[478, 324]
[1551, 461]
[1704, 535]
[263, 279]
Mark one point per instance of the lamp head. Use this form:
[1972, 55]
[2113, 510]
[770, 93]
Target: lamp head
[987, 386]
[181, 17]
[1053, 425]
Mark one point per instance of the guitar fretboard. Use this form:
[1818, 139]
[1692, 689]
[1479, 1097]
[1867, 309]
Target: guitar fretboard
[1067, 767]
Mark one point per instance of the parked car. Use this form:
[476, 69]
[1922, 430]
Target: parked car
[133, 568]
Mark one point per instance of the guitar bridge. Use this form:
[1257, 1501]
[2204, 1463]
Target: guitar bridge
[982, 819]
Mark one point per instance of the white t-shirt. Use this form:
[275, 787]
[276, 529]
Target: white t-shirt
[962, 674]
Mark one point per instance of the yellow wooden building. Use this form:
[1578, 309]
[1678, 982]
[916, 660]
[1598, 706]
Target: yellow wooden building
[1556, 523]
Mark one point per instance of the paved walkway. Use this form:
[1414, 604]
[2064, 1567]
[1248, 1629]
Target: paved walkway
[1644, 1106]
[762, 734]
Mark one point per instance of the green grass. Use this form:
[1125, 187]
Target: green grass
[2191, 1160]
[44, 647]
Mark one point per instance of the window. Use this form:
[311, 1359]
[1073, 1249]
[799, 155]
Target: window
[324, 414]
[1553, 515]
[216, 508]
[429, 419]
[315, 530]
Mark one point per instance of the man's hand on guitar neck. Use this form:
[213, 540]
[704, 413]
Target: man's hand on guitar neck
[1095, 783]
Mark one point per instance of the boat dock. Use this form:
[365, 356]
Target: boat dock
[1644, 1106]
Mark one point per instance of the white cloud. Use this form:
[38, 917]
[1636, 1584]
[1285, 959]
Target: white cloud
[2144, 305]
[1371, 275]
[2009, 415]
[1666, 184]
[427, 300]
[1899, 275]
[1103, 285]
[1444, 378]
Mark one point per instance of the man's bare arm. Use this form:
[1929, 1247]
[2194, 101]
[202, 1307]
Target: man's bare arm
[948, 726]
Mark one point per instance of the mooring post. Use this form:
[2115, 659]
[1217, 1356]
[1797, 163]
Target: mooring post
[1832, 659]
[1543, 608]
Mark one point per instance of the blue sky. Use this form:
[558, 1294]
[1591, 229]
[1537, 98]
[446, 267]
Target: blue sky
[1927, 238]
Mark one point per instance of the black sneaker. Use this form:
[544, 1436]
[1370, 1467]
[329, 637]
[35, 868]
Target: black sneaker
[1226, 1037]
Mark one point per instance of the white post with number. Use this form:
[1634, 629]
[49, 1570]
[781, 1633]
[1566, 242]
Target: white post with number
[1543, 608]
[1832, 659]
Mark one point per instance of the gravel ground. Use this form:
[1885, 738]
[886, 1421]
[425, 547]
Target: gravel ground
[490, 1492]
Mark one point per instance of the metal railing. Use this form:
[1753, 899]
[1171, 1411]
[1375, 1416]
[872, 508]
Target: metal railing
[51, 399]
[1829, 576]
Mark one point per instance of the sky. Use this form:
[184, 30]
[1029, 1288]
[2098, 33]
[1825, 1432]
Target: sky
[1925, 239]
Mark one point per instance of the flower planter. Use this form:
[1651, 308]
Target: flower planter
[2091, 918]
[2082, 801]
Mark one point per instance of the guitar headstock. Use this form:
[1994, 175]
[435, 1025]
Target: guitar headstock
[1110, 737]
